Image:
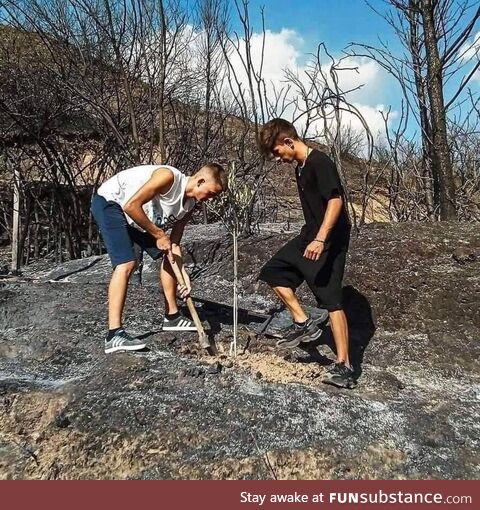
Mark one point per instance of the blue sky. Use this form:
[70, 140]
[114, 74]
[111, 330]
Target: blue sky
[336, 23]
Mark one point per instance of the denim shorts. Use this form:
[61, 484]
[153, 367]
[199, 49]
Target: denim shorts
[118, 236]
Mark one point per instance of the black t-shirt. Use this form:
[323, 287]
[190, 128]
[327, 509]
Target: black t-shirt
[318, 181]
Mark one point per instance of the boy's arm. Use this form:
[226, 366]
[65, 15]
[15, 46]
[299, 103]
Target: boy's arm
[160, 182]
[176, 237]
[179, 227]
[329, 188]
[315, 248]
[334, 208]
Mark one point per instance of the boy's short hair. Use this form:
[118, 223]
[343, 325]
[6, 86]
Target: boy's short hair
[218, 174]
[273, 133]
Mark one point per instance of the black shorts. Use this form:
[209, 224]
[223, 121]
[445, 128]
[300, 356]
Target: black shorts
[289, 268]
[118, 236]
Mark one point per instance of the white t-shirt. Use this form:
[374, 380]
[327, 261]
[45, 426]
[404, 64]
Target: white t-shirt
[163, 210]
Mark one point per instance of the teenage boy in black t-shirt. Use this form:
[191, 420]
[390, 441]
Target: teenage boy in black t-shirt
[318, 254]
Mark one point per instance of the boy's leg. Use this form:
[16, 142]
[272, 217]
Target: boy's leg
[289, 298]
[341, 373]
[173, 320]
[283, 276]
[117, 293]
[169, 284]
[147, 243]
[339, 326]
[327, 288]
[303, 328]
[116, 237]
[114, 230]
[332, 297]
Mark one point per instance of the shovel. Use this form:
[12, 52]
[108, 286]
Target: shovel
[202, 337]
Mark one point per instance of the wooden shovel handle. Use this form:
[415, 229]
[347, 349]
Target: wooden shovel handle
[202, 337]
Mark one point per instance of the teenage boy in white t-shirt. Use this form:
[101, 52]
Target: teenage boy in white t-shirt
[138, 206]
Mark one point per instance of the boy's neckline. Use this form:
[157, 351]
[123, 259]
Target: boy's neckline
[302, 166]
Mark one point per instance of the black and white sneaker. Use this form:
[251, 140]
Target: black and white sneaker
[319, 317]
[340, 375]
[122, 341]
[181, 323]
[296, 334]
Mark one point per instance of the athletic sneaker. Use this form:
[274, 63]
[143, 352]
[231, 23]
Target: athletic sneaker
[340, 375]
[122, 341]
[295, 334]
[181, 323]
[320, 316]
[319, 320]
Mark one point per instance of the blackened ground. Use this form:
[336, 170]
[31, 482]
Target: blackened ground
[411, 294]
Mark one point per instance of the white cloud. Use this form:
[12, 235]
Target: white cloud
[471, 48]
[471, 51]
[373, 117]
[359, 72]
[281, 51]
[284, 50]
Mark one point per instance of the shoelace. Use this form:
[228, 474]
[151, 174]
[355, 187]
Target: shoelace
[339, 368]
[286, 330]
[123, 334]
[304, 326]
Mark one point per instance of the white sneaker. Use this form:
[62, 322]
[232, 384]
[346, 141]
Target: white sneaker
[122, 342]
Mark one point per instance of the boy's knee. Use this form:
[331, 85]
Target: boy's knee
[127, 268]
[281, 289]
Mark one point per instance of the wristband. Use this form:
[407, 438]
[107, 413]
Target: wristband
[319, 241]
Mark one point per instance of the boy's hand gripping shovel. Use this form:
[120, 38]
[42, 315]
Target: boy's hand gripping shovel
[202, 337]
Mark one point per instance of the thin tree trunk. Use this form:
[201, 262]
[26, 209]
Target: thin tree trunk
[431, 191]
[24, 239]
[161, 134]
[443, 161]
[36, 247]
[161, 88]
[60, 249]
[16, 221]
[235, 292]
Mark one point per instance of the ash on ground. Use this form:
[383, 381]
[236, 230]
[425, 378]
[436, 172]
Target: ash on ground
[411, 295]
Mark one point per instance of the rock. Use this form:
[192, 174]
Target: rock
[465, 254]
[189, 372]
[434, 439]
[214, 368]
[195, 372]
[62, 421]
